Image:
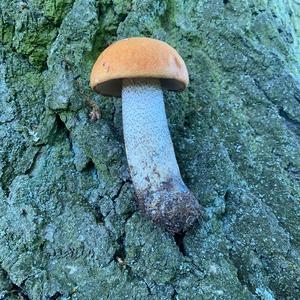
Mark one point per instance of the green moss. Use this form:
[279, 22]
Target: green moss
[30, 28]
[57, 10]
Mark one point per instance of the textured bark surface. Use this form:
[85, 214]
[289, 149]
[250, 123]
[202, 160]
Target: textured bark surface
[68, 223]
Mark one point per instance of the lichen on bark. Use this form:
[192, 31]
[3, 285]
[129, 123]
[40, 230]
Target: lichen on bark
[68, 222]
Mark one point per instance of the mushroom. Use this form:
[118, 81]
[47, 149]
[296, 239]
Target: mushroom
[138, 69]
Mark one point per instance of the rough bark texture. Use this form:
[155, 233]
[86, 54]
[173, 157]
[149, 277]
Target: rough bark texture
[68, 224]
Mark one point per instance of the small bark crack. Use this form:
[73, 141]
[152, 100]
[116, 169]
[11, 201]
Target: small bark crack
[291, 124]
[56, 296]
[119, 191]
[14, 289]
[179, 240]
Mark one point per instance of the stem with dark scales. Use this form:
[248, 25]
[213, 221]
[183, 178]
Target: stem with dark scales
[161, 192]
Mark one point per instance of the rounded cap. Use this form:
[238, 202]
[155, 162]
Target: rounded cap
[138, 57]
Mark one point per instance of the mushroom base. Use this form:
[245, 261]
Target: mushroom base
[173, 209]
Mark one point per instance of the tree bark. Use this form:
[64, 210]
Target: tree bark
[69, 228]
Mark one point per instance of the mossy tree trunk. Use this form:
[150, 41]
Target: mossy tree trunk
[68, 224]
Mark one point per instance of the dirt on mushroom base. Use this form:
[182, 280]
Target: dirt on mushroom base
[172, 206]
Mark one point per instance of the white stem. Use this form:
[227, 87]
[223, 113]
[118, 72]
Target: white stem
[150, 153]
[149, 146]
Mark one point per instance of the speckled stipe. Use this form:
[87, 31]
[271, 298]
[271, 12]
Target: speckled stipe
[162, 195]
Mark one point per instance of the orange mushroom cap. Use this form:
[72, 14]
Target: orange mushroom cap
[138, 57]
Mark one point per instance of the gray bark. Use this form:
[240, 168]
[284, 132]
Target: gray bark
[68, 223]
